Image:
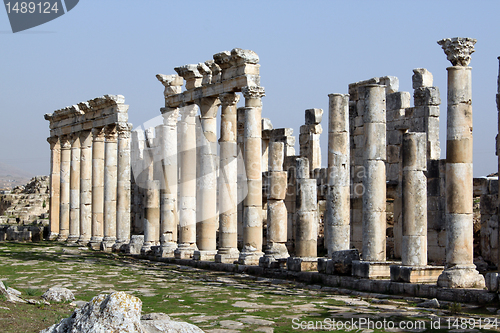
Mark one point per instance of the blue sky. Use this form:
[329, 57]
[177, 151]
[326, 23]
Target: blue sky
[307, 50]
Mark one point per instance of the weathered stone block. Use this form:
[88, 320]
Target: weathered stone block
[313, 116]
[421, 78]
[426, 96]
[398, 100]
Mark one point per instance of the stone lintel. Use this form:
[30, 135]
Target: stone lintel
[372, 269]
[234, 84]
[415, 274]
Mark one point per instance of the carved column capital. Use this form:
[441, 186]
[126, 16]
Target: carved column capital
[458, 50]
[65, 142]
[229, 99]
[110, 133]
[188, 111]
[53, 141]
[170, 116]
[98, 133]
[123, 130]
[253, 92]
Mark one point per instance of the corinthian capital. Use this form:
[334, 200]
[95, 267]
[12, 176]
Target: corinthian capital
[252, 92]
[458, 50]
[229, 99]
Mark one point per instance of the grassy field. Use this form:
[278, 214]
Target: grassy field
[214, 301]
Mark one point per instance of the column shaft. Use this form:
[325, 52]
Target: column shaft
[414, 249]
[110, 185]
[374, 155]
[337, 226]
[123, 188]
[97, 187]
[228, 175]
[65, 189]
[252, 205]
[85, 187]
[74, 195]
[168, 194]
[187, 201]
[206, 226]
[55, 186]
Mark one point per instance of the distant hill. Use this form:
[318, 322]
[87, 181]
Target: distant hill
[11, 176]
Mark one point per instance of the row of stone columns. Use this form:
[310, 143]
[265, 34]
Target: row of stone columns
[90, 187]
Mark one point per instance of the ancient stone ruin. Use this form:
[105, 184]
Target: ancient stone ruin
[241, 195]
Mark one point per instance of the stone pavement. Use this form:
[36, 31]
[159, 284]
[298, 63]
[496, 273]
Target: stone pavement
[217, 301]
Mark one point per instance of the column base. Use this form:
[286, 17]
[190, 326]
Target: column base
[340, 262]
[52, 236]
[148, 248]
[62, 237]
[275, 256]
[227, 255]
[249, 257]
[185, 251]
[372, 269]
[415, 274]
[119, 246]
[95, 243]
[72, 239]
[83, 241]
[135, 245]
[305, 264]
[204, 255]
[166, 250]
[461, 276]
[107, 244]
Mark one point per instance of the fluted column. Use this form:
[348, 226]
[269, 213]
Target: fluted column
[85, 187]
[55, 186]
[97, 187]
[337, 226]
[187, 200]
[123, 187]
[252, 206]
[74, 194]
[460, 270]
[206, 226]
[65, 189]
[228, 177]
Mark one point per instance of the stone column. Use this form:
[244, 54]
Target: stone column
[252, 205]
[65, 189]
[414, 208]
[85, 187]
[168, 194]
[309, 138]
[187, 186]
[123, 192]
[55, 186]
[110, 184]
[206, 225]
[97, 187]
[374, 264]
[306, 232]
[228, 174]
[374, 197]
[74, 194]
[242, 177]
[337, 226]
[460, 270]
[276, 251]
